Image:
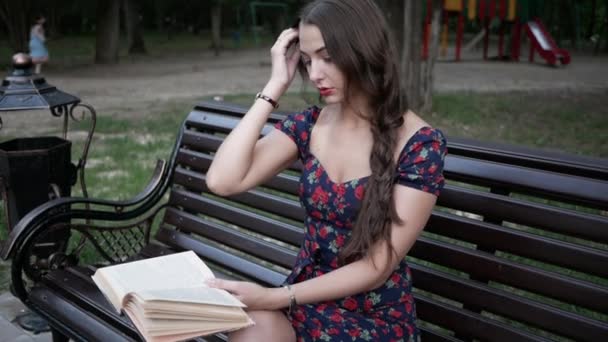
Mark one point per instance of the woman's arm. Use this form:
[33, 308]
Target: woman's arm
[414, 208]
[243, 161]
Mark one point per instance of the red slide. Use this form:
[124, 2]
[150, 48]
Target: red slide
[541, 41]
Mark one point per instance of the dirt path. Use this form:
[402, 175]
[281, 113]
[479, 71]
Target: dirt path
[159, 79]
[140, 86]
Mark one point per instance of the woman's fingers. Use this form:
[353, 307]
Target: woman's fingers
[286, 38]
[227, 285]
[286, 33]
[285, 54]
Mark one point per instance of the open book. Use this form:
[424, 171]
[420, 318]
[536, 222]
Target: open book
[167, 300]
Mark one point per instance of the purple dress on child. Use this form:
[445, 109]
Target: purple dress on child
[388, 312]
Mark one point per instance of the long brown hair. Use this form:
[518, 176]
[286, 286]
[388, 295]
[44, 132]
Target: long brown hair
[358, 39]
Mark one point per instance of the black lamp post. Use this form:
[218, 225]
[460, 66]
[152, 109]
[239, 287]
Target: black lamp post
[33, 170]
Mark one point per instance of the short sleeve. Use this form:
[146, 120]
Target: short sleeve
[297, 127]
[421, 162]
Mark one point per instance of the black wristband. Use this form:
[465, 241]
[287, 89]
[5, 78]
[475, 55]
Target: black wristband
[274, 103]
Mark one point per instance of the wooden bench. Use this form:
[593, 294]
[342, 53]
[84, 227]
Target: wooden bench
[516, 250]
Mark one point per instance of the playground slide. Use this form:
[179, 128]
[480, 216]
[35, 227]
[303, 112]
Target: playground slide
[541, 41]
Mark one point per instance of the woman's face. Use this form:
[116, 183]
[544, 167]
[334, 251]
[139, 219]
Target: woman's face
[322, 71]
[41, 21]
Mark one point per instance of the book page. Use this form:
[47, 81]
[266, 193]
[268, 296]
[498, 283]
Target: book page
[179, 270]
[198, 311]
[194, 295]
[157, 330]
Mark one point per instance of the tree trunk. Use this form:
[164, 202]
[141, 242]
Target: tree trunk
[428, 79]
[411, 59]
[216, 26]
[135, 38]
[16, 17]
[418, 75]
[591, 19]
[108, 31]
[159, 15]
[393, 10]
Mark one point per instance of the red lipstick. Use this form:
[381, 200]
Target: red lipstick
[326, 91]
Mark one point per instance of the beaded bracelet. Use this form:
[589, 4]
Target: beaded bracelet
[274, 103]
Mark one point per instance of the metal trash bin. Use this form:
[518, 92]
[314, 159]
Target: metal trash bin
[33, 171]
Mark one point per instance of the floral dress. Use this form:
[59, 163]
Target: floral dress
[386, 313]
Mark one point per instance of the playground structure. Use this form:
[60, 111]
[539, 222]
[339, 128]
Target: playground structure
[517, 15]
[543, 43]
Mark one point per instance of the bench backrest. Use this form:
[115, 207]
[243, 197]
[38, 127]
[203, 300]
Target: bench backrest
[513, 251]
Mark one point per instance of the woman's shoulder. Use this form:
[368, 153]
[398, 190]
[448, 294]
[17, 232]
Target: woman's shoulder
[298, 124]
[417, 133]
[310, 114]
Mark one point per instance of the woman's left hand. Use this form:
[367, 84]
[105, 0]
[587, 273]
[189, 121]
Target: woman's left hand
[256, 297]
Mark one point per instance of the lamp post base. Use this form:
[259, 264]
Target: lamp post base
[33, 322]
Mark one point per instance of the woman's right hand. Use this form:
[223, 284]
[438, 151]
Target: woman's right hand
[284, 59]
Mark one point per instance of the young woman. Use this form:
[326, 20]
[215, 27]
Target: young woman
[372, 173]
[38, 51]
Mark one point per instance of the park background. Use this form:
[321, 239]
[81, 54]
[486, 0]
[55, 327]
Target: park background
[144, 64]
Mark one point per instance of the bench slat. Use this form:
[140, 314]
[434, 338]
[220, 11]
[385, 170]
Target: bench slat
[200, 142]
[228, 236]
[264, 201]
[500, 207]
[468, 323]
[506, 304]
[260, 224]
[564, 254]
[554, 161]
[428, 335]
[201, 162]
[486, 266]
[570, 189]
